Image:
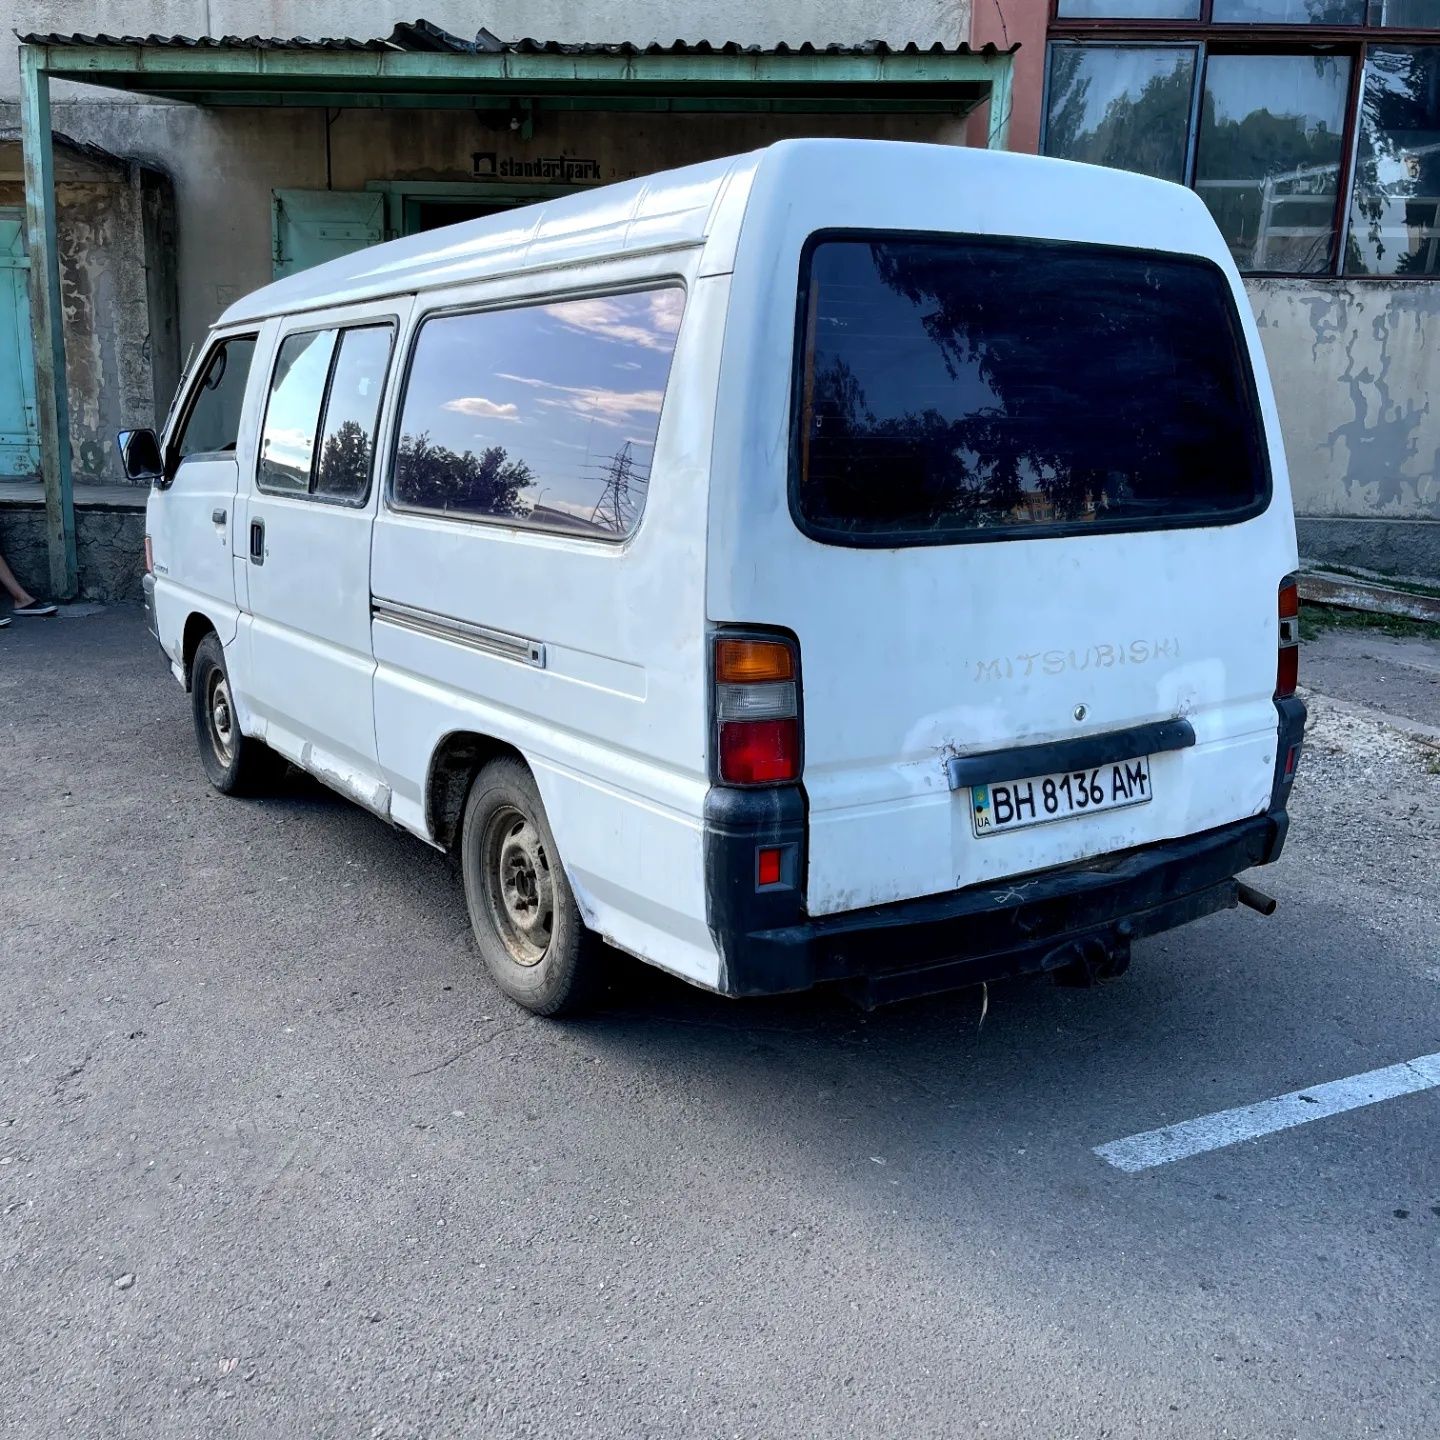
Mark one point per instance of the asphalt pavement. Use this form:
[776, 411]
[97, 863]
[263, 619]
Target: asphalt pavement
[276, 1159]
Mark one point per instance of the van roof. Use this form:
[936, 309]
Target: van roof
[654, 212]
[671, 209]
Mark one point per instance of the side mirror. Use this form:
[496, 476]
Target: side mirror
[140, 454]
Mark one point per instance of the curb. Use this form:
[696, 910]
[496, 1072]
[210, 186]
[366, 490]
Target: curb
[1350, 594]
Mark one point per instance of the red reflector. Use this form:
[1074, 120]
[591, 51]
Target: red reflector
[1291, 761]
[768, 870]
[1287, 672]
[1289, 600]
[759, 752]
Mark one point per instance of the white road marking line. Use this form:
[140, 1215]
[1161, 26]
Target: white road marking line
[1265, 1117]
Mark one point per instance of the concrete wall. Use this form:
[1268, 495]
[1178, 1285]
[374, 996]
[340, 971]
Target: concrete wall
[1356, 367]
[109, 544]
[104, 210]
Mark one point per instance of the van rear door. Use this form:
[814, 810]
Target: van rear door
[1037, 488]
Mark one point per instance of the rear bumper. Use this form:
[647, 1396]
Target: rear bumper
[1013, 927]
[1043, 921]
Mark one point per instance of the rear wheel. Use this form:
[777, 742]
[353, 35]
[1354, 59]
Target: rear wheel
[234, 763]
[522, 910]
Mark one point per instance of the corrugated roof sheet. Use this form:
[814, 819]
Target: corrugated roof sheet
[422, 36]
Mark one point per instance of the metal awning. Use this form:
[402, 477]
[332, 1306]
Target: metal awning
[421, 66]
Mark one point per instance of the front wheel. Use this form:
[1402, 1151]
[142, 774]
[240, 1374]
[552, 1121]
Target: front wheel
[522, 910]
[234, 763]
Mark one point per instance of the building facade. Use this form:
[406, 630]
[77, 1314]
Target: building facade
[194, 169]
[1311, 128]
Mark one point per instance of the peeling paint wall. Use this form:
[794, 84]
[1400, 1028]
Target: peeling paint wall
[1356, 368]
[102, 288]
[103, 212]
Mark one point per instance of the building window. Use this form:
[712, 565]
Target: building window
[1310, 131]
[1268, 161]
[1395, 207]
[1124, 106]
[1129, 9]
[1289, 12]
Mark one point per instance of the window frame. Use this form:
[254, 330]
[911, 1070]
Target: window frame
[1058, 530]
[599, 291]
[1368, 27]
[192, 399]
[388, 322]
[1241, 38]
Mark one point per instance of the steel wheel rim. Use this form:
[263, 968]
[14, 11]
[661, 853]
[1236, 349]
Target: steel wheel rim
[220, 717]
[519, 886]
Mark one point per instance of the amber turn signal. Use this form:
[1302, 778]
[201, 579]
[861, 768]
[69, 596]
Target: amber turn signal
[744, 662]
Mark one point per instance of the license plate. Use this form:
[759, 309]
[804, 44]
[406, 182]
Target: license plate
[1018, 804]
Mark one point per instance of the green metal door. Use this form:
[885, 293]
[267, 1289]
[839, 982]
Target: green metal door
[19, 440]
[309, 226]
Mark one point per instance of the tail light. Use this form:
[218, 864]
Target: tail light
[757, 711]
[1287, 669]
[149, 557]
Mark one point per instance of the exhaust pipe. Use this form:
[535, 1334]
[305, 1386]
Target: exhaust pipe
[1259, 902]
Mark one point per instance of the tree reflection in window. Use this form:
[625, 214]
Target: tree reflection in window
[1395, 212]
[436, 478]
[969, 385]
[1125, 107]
[352, 411]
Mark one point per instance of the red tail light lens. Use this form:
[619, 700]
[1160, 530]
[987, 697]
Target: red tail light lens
[756, 705]
[1287, 673]
[759, 752]
[1287, 668]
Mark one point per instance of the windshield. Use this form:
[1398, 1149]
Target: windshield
[981, 389]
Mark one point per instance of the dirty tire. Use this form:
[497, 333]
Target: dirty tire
[522, 910]
[234, 763]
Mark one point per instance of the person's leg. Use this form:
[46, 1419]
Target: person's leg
[18, 593]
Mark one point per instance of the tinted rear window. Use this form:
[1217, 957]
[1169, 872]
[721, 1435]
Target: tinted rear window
[975, 389]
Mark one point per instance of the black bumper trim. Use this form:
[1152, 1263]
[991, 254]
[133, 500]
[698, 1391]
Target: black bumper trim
[993, 930]
[1085, 752]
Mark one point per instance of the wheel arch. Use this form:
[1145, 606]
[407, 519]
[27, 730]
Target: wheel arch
[197, 626]
[457, 760]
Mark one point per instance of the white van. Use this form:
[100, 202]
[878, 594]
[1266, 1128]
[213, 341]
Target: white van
[850, 561]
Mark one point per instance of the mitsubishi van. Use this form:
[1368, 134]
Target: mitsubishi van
[851, 562]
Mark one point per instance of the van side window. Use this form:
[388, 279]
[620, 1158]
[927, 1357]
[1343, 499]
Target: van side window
[292, 416]
[543, 417]
[319, 433]
[213, 424]
[347, 437]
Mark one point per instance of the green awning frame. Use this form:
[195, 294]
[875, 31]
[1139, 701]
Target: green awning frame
[490, 75]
